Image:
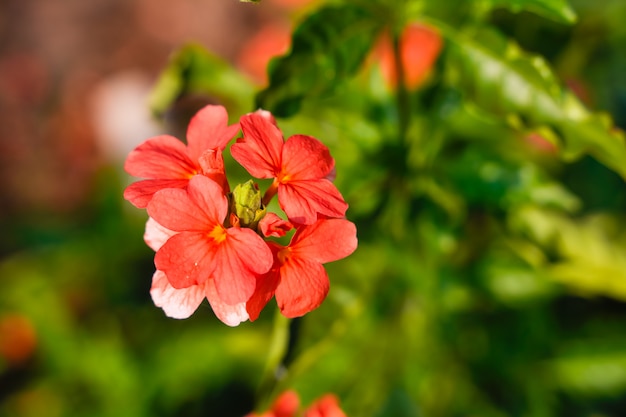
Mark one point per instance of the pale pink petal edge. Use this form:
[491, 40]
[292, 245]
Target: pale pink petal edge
[176, 303]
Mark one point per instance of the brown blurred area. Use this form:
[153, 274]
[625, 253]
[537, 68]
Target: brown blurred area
[74, 77]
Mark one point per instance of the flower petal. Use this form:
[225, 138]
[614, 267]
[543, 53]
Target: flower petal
[208, 129]
[176, 303]
[303, 286]
[326, 240]
[231, 315]
[209, 197]
[302, 200]
[187, 259]
[156, 235]
[259, 151]
[212, 163]
[240, 258]
[306, 158]
[272, 225]
[265, 286]
[161, 157]
[263, 293]
[174, 209]
[140, 193]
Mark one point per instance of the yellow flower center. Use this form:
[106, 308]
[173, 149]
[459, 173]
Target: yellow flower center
[284, 255]
[218, 234]
[283, 177]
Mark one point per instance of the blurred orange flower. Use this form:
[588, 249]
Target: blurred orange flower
[272, 40]
[420, 46]
[18, 338]
[288, 403]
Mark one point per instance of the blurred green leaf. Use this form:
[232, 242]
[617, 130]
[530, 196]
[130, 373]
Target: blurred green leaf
[557, 10]
[592, 373]
[490, 180]
[328, 47]
[504, 80]
[194, 70]
[516, 284]
[589, 260]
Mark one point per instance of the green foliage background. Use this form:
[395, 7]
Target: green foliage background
[490, 278]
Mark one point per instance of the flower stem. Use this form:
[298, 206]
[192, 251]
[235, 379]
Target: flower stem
[402, 96]
[270, 193]
[274, 369]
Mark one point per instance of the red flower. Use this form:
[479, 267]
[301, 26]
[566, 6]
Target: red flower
[180, 303]
[166, 162]
[207, 239]
[298, 278]
[204, 248]
[299, 167]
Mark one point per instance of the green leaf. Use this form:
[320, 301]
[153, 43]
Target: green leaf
[557, 10]
[591, 374]
[502, 79]
[327, 48]
[487, 180]
[589, 255]
[193, 70]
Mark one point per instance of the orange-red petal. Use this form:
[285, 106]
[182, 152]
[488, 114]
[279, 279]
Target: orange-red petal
[187, 258]
[209, 129]
[198, 208]
[263, 293]
[140, 193]
[259, 151]
[231, 315]
[272, 225]
[173, 209]
[326, 240]
[302, 288]
[161, 157]
[303, 200]
[240, 258]
[305, 158]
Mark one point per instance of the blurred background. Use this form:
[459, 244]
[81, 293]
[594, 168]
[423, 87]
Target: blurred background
[79, 335]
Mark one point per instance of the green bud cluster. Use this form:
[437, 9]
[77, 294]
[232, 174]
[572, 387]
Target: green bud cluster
[246, 204]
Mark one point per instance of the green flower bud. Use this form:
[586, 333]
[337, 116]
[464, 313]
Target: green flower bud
[246, 204]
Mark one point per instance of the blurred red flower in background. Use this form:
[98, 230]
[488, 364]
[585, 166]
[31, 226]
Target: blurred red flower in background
[18, 339]
[270, 41]
[288, 403]
[420, 46]
[326, 406]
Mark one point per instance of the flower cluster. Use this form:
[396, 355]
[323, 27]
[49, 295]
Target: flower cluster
[288, 403]
[214, 243]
